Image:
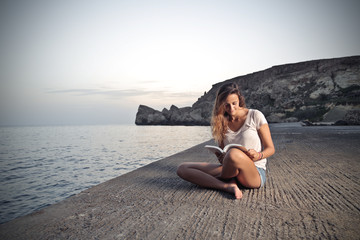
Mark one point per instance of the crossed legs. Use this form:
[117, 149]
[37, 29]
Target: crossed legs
[236, 164]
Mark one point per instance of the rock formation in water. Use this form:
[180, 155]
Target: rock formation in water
[321, 90]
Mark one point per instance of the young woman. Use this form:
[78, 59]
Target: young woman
[232, 122]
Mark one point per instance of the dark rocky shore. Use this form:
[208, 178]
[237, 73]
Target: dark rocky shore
[321, 90]
[312, 192]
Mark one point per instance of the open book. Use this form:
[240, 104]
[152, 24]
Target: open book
[218, 150]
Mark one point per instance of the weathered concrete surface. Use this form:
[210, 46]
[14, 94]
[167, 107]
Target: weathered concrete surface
[312, 192]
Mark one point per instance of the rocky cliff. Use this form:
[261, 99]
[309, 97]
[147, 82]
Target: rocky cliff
[320, 90]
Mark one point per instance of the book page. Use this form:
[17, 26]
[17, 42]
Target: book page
[233, 145]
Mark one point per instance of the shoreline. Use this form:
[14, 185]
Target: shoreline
[45, 165]
[312, 190]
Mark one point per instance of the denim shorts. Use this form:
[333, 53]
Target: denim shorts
[262, 173]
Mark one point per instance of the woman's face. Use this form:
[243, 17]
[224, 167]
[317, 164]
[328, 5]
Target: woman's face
[232, 104]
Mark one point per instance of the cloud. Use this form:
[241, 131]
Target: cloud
[157, 97]
[106, 92]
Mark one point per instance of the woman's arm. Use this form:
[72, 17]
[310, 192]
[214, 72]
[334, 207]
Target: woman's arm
[266, 140]
[267, 143]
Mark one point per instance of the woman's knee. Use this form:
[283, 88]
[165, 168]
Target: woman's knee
[182, 169]
[235, 157]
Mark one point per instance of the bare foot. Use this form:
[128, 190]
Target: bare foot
[233, 188]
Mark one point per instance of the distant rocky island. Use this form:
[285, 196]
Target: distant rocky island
[325, 90]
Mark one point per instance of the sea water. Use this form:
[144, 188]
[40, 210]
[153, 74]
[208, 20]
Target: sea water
[40, 166]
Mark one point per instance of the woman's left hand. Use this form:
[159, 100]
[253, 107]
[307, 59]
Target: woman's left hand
[253, 155]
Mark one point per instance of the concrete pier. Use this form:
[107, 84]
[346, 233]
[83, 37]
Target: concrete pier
[312, 192]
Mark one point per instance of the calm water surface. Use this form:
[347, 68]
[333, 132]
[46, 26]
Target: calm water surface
[43, 165]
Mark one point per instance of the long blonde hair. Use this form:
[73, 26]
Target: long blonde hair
[220, 118]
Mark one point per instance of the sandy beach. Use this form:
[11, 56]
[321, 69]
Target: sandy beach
[312, 192]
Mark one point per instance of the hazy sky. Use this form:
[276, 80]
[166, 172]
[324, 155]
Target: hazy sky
[94, 62]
